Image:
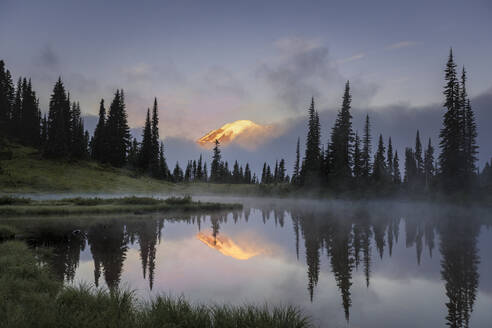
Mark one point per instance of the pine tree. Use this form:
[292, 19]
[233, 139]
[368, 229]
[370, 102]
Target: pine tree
[297, 168]
[389, 158]
[78, 147]
[58, 142]
[247, 174]
[16, 114]
[366, 150]
[357, 168]
[311, 168]
[199, 169]
[215, 168]
[30, 119]
[281, 171]
[177, 173]
[379, 172]
[146, 149]
[396, 169]
[118, 132]
[154, 154]
[449, 158]
[133, 154]
[341, 144]
[164, 170]
[98, 149]
[418, 158]
[429, 164]
[7, 92]
[410, 169]
[471, 147]
[264, 174]
[235, 173]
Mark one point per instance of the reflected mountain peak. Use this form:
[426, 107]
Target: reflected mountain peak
[227, 247]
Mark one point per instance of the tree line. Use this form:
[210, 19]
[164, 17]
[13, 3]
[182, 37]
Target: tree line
[345, 164]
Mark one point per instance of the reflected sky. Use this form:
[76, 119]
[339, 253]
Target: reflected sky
[345, 264]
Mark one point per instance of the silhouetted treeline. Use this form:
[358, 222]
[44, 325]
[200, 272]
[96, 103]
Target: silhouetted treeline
[344, 164]
[347, 163]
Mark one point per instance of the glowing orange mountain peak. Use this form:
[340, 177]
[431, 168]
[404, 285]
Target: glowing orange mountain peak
[247, 133]
[227, 247]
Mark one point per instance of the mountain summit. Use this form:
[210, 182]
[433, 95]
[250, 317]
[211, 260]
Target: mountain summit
[245, 132]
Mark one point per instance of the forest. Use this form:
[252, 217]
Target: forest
[344, 165]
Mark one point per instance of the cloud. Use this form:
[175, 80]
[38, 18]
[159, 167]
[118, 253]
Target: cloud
[402, 44]
[352, 58]
[48, 58]
[303, 68]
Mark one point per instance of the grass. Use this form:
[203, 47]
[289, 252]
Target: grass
[29, 297]
[28, 172]
[71, 206]
[7, 232]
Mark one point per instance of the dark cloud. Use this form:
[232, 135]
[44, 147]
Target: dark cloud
[304, 69]
[48, 58]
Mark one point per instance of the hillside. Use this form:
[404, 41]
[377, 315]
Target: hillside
[28, 172]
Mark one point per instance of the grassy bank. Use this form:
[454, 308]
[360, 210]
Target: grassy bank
[12, 206]
[29, 297]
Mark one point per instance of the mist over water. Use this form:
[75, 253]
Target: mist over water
[346, 263]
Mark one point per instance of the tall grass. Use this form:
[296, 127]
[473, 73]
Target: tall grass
[29, 297]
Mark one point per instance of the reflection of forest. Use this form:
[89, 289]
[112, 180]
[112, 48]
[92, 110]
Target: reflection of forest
[347, 236]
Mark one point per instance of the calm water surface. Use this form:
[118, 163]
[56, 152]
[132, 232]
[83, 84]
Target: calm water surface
[346, 264]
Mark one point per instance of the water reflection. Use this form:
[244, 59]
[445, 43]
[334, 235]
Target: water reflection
[349, 239]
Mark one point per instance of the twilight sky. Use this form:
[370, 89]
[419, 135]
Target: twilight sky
[212, 62]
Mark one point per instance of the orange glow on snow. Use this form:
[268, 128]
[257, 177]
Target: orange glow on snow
[247, 133]
[227, 247]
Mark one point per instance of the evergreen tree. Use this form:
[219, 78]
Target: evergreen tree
[429, 164]
[205, 172]
[236, 178]
[146, 149]
[247, 174]
[281, 171]
[30, 119]
[78, 147]
[418, 158]
[6, 98]
[16, 114]
[311, 165]
[133, 154]
[177, 173]
[199, 169]
[389, 157]
[264, 173]
[410, 168]
[357, 168]
[366, 150]
[44, 131]
[164, 170]
[215, 168]
[449, 158]
[396, 169]
[58, 141]
[118, 132]
[379, 172]
[154, 153]
[297, 168]
[341, 145]
[98, 149]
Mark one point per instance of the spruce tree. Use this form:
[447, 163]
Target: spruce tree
[199, 169]
[357, 168]
[7, 92]
[389, 158]
[215, 168]
[16, 114]
[58, 140]
[429, 164]
[311, 168]
[281, 171]
[264, 173]
[410, 168]
[379, 172]
[30, 119]
[449, 158]
[396, 169]
[419, 162]
[154, 158]
[98, 149]
[118, 131]
[366, 150]
[146, 149]
[297, 168]
[247, 174]
[78, 147]
[471, 147]
[341, 144]
[164, 170]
